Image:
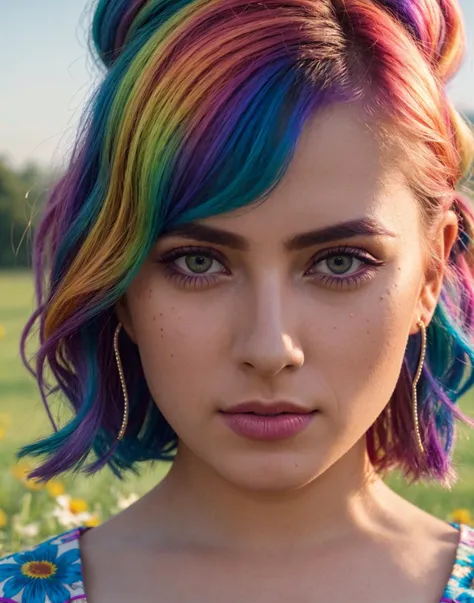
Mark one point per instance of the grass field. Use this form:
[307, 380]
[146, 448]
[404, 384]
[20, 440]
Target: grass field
[23, 419]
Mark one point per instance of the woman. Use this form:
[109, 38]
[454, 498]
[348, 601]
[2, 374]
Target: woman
[259, 266]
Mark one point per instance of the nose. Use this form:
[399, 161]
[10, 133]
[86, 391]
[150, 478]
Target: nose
[265, 342]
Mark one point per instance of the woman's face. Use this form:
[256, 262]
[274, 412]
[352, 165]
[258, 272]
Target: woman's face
[309, 297]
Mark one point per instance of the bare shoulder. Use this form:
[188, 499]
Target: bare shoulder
[432, 540]
[430, 550]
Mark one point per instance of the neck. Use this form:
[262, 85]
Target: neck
[207, 510]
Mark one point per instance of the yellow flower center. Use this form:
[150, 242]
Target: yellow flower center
[78, 505]
[461, 516]
[92, 522]
[39, 569]
[55, 488]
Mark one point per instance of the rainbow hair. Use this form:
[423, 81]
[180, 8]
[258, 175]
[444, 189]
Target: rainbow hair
[199, 112]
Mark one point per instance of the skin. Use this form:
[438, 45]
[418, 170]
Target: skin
[290, 516]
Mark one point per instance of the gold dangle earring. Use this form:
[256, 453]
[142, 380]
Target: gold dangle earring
[421, 324]
[122, 381]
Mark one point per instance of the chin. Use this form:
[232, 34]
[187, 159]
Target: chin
[270, 473]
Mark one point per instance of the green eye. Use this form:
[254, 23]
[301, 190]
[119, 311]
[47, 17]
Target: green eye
[198, 263]
[339, 264]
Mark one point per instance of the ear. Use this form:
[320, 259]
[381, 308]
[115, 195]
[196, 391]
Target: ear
[440, 250]
[124, 316]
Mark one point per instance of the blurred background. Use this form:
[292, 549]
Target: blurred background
[47, 75]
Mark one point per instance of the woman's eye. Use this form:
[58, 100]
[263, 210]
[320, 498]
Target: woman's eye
[341, 264]
[344, 267]
[193, 267]
[197, 263]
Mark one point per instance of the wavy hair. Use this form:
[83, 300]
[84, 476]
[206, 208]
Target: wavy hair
[199, 111]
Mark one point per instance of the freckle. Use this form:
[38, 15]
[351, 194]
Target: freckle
[154, 318]
[172, 355]
[368, 332]
[334, 328]
[161, 314]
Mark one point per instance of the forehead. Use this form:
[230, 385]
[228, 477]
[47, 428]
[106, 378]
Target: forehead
[340, 171]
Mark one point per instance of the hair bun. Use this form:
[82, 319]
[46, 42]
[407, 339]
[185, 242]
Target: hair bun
[437, 26]
[116, 22]
[111, 22]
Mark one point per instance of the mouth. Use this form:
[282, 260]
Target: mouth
[259, 425]
[270, 409]
[268, 414]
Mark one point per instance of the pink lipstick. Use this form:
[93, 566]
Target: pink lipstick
[267, 421]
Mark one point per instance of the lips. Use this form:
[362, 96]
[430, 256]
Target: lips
[268, 421]
[267, 408]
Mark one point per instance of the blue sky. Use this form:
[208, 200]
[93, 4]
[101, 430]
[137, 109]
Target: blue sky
[47, 75]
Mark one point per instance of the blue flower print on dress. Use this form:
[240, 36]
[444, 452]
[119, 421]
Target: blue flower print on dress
[460, 588]
[41, 575]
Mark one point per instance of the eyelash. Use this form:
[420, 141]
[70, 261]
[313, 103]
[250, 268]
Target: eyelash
[205, 280]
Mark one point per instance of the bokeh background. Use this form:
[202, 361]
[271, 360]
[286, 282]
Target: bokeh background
[47, 74]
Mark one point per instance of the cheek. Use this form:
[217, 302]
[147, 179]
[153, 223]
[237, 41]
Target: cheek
[180, 346]
[366, 347]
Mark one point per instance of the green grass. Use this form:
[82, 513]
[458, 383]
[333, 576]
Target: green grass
[21, 403]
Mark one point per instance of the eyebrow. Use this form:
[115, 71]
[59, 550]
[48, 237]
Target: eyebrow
[343, 230]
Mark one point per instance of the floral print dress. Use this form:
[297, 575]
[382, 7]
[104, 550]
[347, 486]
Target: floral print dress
[51, 572]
